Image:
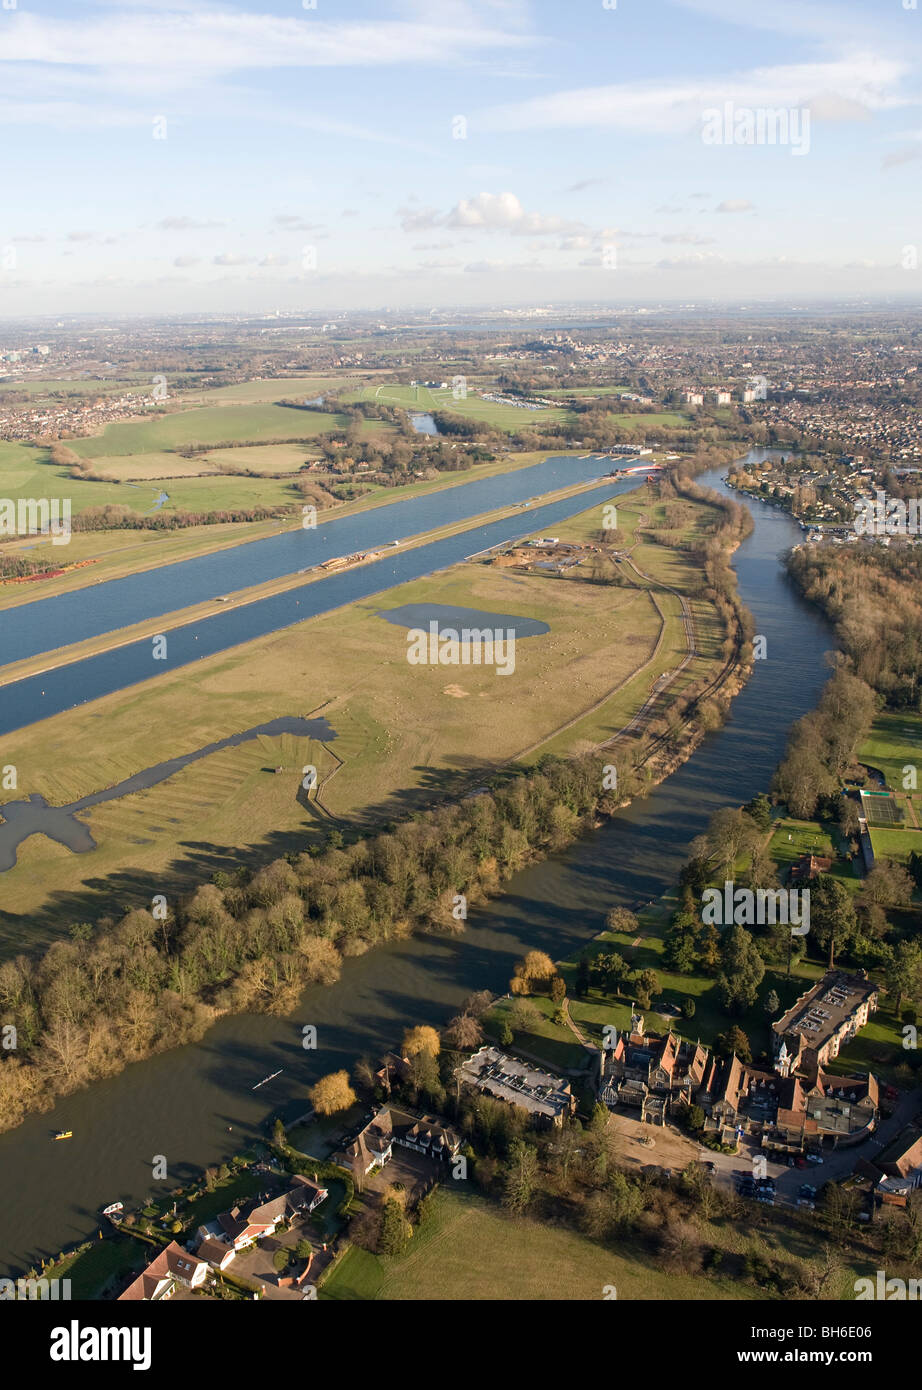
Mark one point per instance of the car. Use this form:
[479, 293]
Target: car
[891, 1093]
[805, 1202]
[815, 1158]
[790, 1163]
[800, 1162]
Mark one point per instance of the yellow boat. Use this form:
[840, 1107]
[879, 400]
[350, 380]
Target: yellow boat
[64, 1134]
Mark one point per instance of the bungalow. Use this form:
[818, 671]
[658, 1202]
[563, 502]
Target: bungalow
[172, 1267]
[240, 1231]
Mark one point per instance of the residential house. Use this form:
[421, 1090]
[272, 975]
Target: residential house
[373, 1146]
[240, 1229]
[173, 1268]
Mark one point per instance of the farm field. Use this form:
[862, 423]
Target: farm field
[208, 425]
[403, 731]
[273, 389]
[468, 1248]
[262, 458]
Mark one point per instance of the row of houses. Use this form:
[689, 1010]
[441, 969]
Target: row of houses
[217, 1243]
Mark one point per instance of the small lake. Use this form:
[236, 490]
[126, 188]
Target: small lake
[422, 615]
[424, 424]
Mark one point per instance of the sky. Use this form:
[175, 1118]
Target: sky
[253, 155]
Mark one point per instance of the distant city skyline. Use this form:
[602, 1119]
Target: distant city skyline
[216, 157]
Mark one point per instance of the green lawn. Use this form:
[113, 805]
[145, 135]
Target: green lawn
[90, 1270]
[895, 741]
[792, 838]
[895, 844]
[469, 1249]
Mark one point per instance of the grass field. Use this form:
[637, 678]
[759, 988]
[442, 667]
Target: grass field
[894, 748]
[263, 458]
[274, 389]
[467, 1248]
[209, 425]
[405, 732]
[895, 741]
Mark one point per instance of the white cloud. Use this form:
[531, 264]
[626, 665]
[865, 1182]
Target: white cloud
[490, 212]
[735, 205]
[842, 87]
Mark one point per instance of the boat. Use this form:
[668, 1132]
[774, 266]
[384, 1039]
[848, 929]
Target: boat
[64, 1134]
[271, 1077]
[113, 1209]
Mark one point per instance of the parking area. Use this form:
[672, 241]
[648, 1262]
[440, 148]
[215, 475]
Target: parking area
[409, 1171]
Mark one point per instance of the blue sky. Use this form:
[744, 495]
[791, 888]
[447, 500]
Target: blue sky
[206, 155]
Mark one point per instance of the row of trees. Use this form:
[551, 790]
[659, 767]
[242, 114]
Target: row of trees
[119, 991]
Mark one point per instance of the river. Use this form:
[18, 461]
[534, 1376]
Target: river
[182, 1103]
[49, 623]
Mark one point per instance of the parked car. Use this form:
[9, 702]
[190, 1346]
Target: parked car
[805, 1202]
[815, 1158]
[800, 1162]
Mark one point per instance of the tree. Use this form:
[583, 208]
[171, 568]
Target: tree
[506, 1036]
[520, 1176]
[772, 1003]
[887, 883]
[688, 1007]
[395, 1229]
[734, 1043]
[832, 914]
[583, 977]
[304, 1249]
[558, 989]
[533, 969]
[903, 973]
[621, 919]
[421, 1039]
[332, 1093]
[524, 1016]
[464, 1032]
[742, 969]
[759, 809]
